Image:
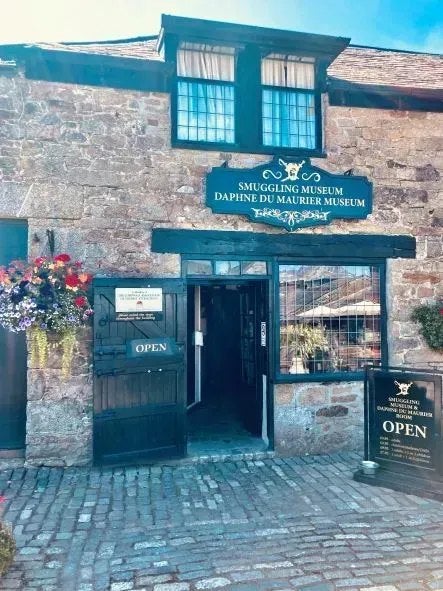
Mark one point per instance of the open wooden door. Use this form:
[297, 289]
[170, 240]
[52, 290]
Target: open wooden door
[254, 354]
[139, 369]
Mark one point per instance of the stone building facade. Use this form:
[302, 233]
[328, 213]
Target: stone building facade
[95, 164]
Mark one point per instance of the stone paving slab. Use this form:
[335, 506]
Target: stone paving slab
[251, 525]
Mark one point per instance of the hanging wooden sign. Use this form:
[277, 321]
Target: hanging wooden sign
[290, 194]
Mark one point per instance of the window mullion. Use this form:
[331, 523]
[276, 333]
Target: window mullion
[248, 99]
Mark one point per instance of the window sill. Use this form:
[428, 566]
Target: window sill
[356, 376]
[255, 149]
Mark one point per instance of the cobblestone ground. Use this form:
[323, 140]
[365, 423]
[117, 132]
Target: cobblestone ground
[273, 524]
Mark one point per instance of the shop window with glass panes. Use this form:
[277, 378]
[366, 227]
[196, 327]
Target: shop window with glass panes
[205, 93]
[329, 318]
[288, 101]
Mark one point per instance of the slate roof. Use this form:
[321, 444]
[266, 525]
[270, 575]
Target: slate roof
[356, 64]
[139, 48]
[385, 67]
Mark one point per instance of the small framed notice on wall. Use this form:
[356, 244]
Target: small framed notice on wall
[138, 303]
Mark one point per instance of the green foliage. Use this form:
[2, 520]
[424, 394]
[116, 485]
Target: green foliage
[305, 340]
[38, 344]
[7, 548]
[68, 342]
[430, 318]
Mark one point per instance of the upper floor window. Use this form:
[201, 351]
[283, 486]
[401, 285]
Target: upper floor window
[288, 101]
[239, 99]
[205, 93]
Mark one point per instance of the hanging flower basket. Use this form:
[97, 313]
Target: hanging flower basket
[430, 318]
[47, 296]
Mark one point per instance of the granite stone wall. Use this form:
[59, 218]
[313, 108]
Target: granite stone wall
[96, 166]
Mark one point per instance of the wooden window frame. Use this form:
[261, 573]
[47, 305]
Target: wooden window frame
[274, 262]
[248, 116]
[354, 376]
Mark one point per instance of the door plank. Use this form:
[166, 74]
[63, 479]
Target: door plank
[139, 403]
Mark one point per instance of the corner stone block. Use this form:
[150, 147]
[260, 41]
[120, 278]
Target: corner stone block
[59, 420]
[332, 411]
[293, 430]
[58, 451]
[284, 394]
[310, 395]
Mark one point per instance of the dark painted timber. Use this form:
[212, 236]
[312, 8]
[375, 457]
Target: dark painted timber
[348, 94]
[97, 70]
[208, 242]
[13, 245]
[234, 34]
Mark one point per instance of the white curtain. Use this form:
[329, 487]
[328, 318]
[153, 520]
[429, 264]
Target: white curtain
[207, 62]
[288, 73]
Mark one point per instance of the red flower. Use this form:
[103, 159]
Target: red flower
[80, 301]
[441, 311]
[2, 499]
[39, 260]
[72, 281]
[64, 258]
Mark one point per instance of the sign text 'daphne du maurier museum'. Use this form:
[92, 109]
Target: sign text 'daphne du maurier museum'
[291, 195]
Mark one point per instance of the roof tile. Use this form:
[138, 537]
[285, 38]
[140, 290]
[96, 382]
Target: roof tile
[139, 49]
[385, 67]
[356, 64]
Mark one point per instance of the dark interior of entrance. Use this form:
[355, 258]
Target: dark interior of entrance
[225, 368]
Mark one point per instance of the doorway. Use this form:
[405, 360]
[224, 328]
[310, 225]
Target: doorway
[227, 368]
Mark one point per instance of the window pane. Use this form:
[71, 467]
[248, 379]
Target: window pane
[329, 318]
[198, 268]
[288, 119]
[227, 267]
[208, 107]
[253, 268]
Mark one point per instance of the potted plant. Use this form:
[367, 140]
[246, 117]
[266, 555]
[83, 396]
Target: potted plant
[304, 341]
[44, 297]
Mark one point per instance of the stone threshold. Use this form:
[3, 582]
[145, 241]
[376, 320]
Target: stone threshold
[13, 463]
[235, 457]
